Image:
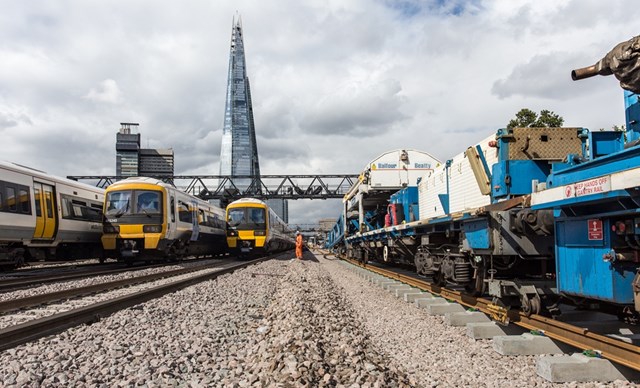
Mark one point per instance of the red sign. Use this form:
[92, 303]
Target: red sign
[595, 229]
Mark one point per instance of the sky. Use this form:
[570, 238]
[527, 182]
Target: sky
[334, 83]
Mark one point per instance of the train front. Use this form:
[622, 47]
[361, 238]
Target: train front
[134, 221]
[247, 228]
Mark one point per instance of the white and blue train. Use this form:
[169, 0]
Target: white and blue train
[529, 216]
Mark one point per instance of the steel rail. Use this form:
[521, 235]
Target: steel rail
[29, 281]
[13, 284]
[29, 301]
[38, 328]
[612, 349]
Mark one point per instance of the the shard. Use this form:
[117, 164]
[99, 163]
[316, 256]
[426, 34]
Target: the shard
[239, 151]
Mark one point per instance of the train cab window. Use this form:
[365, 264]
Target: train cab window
[201, 217]
[148, 202]
[118, 202]
[11, 199]
[236, 216]
[256, 216]
[24, 201]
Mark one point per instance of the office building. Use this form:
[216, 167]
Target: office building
[131, 160]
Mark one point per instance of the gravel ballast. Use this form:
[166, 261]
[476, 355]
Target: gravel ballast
[279, 323]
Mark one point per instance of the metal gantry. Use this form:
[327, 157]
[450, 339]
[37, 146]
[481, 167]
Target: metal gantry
[226, 189]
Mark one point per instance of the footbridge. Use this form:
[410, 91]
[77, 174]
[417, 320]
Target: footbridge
[230, 188]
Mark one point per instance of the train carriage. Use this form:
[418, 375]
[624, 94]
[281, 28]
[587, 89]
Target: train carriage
[147, 219]
[254, 228]
[44, 217]
[529, 216]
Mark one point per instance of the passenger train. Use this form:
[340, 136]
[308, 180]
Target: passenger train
[529, 216]
[254, 228]
[43, 217]
[146, 219]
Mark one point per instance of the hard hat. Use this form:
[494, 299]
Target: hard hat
[297, 232]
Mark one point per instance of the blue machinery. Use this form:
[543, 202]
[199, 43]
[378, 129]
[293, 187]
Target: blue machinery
[561, 218]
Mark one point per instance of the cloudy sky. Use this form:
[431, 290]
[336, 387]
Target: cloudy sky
[334, 83]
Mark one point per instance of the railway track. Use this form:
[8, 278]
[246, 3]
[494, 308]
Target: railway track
[615, 350]
[89, 304]
[22, 281]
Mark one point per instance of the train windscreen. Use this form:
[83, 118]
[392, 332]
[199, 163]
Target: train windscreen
[247, 218]
[133, 202]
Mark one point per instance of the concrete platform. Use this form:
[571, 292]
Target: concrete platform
[393, 289]
[484, 330]
[525, 344]
[399, 292]
[410, 297]
[464, 317]
[442, 309]
[392, 284]
[424, 302]
[578, 367]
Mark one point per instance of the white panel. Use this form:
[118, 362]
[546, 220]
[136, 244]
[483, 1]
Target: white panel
[464, 193]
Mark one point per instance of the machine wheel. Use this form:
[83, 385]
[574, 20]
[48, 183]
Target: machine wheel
[439, 279]
[385, 254]
[530, 305]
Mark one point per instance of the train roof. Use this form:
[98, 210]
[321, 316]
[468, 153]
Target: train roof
[142, 179]
[21, 169]
[247, 200]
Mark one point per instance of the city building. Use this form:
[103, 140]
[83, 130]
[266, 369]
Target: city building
[127, 148]
[239, 150]
[131, 160]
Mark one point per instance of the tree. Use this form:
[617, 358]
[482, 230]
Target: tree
[528, 118]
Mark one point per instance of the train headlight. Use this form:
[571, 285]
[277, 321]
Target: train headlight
[110, 229]
[152, 228]
[259, 233]
[232, 233]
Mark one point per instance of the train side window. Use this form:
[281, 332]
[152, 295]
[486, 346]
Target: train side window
[48, 197]
[1, 201]
[173, 209]
[11, 199]
[202, 220]
[24, 201]
[184, 215]
[36, 193]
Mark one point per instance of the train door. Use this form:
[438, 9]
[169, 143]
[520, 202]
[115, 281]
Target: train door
[46, 220]
[171, 216]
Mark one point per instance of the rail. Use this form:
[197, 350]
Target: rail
[615, 350]
[28, 331]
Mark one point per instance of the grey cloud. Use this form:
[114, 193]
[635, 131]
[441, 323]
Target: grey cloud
[358, 110]
[540, 77]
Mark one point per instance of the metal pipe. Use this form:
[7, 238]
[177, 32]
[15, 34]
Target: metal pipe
[585, 72]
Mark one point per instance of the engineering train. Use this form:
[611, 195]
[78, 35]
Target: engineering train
[530, 216]
[146, 219]
[43, 217]
[254, 228]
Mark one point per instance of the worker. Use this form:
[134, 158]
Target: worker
[298, 245]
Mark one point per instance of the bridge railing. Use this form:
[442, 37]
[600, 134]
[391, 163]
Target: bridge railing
[229, 188]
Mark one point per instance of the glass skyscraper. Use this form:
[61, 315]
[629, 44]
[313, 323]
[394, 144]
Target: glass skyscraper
[239, 151]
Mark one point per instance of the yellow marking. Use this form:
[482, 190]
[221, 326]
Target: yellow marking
[498, 313]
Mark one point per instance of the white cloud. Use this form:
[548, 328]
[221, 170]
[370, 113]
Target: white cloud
[334, 83]
[107, 91]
